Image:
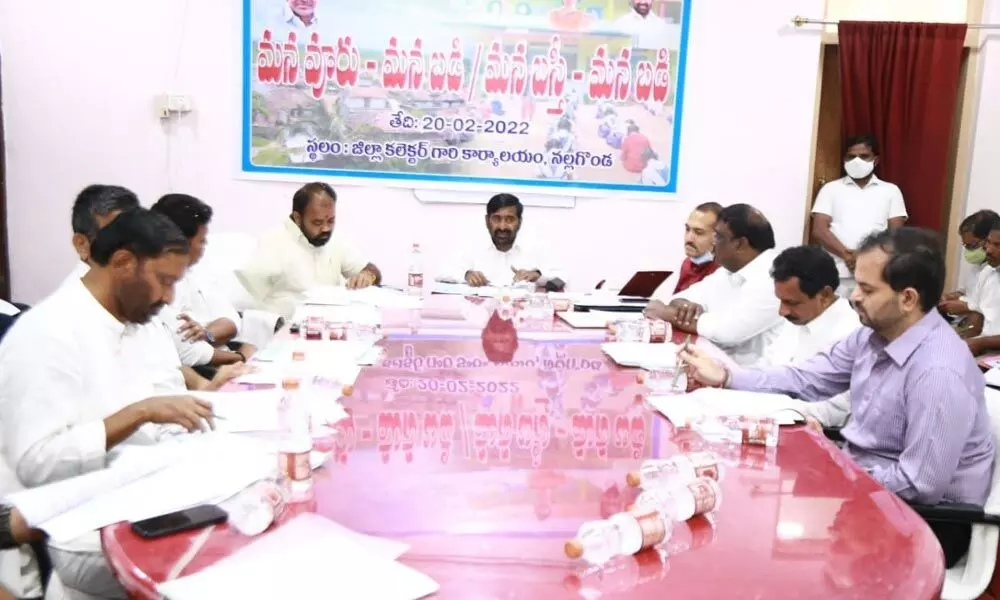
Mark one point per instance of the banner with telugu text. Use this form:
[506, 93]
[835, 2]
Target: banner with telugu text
[571, 97]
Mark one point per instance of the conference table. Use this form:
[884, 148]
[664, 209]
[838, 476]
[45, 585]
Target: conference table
[485, 446]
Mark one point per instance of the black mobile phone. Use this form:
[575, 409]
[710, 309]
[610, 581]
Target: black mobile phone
[191, 518]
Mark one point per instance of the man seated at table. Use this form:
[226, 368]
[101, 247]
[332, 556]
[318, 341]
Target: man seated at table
[699, 262]
[67, 393]
[204, 314]
[95, 206]
[981, 325]
[735, 307]
[973, 231]
[816, 318]
[504, 261]
[919, 423]
[304, 254]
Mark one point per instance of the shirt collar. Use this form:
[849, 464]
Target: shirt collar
[758, 267]
[828, 318]
[900, 349]
[295, 234]
[95, 308]
[873, 181]
[515, 248]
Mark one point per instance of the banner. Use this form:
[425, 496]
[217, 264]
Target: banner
[575, 97]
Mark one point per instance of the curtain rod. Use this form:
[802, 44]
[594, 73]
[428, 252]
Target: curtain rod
[801, 21]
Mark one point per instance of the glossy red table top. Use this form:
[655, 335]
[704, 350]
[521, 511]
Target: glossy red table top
[486, 466]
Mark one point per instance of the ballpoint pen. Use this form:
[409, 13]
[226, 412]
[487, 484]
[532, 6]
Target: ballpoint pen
[680, 363]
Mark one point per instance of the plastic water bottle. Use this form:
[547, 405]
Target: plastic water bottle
[294, 439]
[675, 471]
[415, 276]
[680, 503]
[597, 542]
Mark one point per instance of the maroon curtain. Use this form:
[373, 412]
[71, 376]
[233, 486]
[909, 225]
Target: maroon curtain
[899, 82]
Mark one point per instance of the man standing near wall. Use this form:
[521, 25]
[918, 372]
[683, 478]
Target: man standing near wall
[849, 209]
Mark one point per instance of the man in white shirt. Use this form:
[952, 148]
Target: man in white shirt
[973, 230]
[65, 398]
[203, 314]
[649, 30]
[504, 261]
[300, 14]
[849, 209]
[735, 307]
[982, 325]
[303, 254]
[805, 282]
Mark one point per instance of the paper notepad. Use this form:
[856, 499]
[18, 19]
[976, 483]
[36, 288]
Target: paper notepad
[682, 409]
[641, 355]
[993, 377]
[595, 319]
[308, 557]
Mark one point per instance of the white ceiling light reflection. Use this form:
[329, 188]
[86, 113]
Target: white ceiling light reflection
[790, 530]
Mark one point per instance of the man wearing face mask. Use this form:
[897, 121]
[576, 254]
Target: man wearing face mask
[303, 254]
[699, 261]
[919, 424]
[848, 209]
[735, 307]
[504, 261]
[973, 231]
[982, 323]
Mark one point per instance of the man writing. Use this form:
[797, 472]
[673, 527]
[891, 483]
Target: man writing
[67, 393]
[699, 261]
[848, 209]
[919, 423]
[734, 307]
[303, 254]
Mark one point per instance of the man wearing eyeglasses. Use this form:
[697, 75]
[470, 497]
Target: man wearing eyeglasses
[735, 307]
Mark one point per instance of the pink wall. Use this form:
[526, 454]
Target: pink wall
[79, 82]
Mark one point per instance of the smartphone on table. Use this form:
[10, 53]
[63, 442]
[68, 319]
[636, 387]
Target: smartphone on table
[195, 517]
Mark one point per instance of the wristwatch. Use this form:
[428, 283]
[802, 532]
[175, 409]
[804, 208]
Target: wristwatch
[209, 337]
[6, 534]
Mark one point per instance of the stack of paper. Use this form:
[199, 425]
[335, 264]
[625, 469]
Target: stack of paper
[370, 296]
[319, 351]
[308, 557]
[993, 376]
[215, 467]
[628, 354]
[685, 408]
[486, 291]
[257, 410]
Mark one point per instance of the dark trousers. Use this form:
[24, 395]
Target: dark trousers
[954, 539]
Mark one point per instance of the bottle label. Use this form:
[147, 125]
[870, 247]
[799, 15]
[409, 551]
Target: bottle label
[294, 465]
[704, 497]
[415, 280]
[755, 432]
[654, 531]
[705, 465]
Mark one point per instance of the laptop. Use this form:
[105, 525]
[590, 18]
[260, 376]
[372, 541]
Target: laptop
[642, 285]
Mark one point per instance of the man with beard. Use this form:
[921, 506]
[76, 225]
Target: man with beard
[699, 260]
[504, 262]
[649, 30]
[67, 396]
[919, 423]
[303, 254]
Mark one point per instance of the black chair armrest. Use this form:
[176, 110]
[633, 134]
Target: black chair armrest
[955, 513]
[833, 434]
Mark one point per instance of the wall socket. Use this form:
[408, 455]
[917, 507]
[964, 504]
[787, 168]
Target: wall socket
[168, 105]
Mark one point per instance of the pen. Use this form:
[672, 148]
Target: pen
[680, 363]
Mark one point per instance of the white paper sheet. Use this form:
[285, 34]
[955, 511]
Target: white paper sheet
[318, 351]
[683, 408]
[629, 354]
[993, 376]
[371, 296]
[246, 411]
[596, 319]
[486, 291]
[308, 557]
[217, 466]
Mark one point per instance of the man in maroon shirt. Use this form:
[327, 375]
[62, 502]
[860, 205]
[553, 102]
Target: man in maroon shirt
[699, 241]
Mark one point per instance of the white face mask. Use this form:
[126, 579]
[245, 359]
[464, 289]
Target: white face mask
[859, 168]
[704, 258]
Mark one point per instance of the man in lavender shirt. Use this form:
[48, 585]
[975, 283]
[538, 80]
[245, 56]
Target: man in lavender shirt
[919, 424]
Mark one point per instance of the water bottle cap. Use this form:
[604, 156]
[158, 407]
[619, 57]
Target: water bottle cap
[289, 384]
[298, 355]
[633, 479]
[573, 549]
